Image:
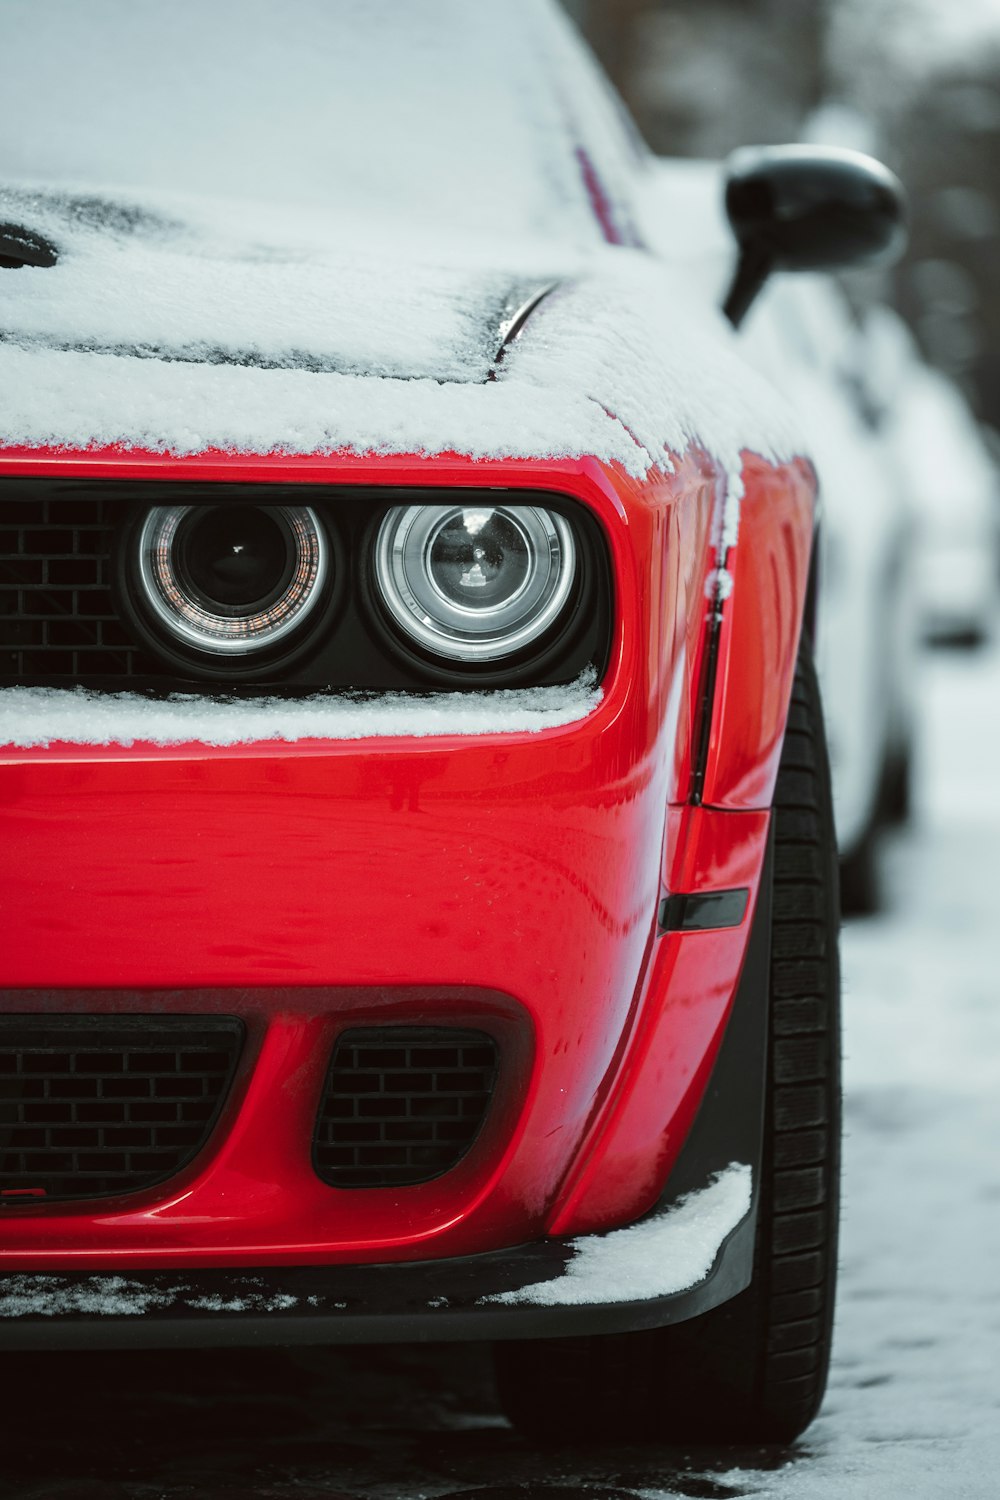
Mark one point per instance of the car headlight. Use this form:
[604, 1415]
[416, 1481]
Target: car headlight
[474, 583]
[231, 580]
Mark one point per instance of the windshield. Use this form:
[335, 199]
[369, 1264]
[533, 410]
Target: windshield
[454, 115]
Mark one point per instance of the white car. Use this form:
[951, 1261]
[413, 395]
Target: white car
[950, 479]
[868, 622]
[801, 334]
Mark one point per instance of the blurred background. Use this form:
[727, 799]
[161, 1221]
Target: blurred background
[914, 82]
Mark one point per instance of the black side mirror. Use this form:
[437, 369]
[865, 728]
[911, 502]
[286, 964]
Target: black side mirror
[808, 208]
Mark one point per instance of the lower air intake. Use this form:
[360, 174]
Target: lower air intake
[95, 1106]
[402, 1104]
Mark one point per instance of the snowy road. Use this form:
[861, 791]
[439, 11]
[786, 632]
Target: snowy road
[914, 1403]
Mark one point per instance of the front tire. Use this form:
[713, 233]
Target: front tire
[753, 1370]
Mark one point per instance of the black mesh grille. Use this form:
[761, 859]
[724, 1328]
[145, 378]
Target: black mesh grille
[94, 1106]
[57, 618]
[402, 1104]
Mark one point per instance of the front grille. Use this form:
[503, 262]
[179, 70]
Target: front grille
[57, 614]
[402, 1104]
[94, 1106]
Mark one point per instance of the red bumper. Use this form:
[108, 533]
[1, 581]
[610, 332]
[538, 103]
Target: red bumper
[510, 881]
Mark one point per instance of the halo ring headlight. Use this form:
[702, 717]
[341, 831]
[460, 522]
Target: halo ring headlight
[475, 582]
[230, 580]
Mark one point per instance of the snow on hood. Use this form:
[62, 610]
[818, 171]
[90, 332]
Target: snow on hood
[134, 280]
[293, 227]
[433, 114]
[620, 363]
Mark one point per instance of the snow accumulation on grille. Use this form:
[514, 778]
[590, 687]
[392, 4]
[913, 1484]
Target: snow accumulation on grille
[31, 717]
[655, 1258]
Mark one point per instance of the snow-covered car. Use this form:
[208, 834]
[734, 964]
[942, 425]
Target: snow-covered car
[419, 889]
[949, 476]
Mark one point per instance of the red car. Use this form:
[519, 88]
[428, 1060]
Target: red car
[419, 885]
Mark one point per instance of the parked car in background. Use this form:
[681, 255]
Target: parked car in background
[949, 477]
[868, 625]
[802, 335]
[419, 891]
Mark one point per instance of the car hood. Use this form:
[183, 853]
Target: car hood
[183, 327]
[133, 281]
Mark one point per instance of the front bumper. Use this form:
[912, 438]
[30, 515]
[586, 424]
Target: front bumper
[304, 888]
[420, 1301]
[520, 1292]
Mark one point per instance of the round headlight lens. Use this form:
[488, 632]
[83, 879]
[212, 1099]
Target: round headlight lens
[474, 582]
[231, 579]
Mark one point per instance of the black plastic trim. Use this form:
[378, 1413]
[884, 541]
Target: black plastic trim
[422, 1301]
[702, 911]
[512, 329]
[21, 247]
[707, 707]
[811, 610]
[348, 646]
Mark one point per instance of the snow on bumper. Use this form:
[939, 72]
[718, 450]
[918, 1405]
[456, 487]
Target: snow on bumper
[32, 717]
[658, 1257]
[665, 1269]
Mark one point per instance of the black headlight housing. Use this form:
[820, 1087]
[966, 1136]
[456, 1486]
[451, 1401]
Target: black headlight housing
[290, 589]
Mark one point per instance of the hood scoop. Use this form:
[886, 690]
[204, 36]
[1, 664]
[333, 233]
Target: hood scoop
[21, 247]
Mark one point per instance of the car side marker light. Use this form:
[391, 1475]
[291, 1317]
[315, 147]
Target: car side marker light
[703, 911]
